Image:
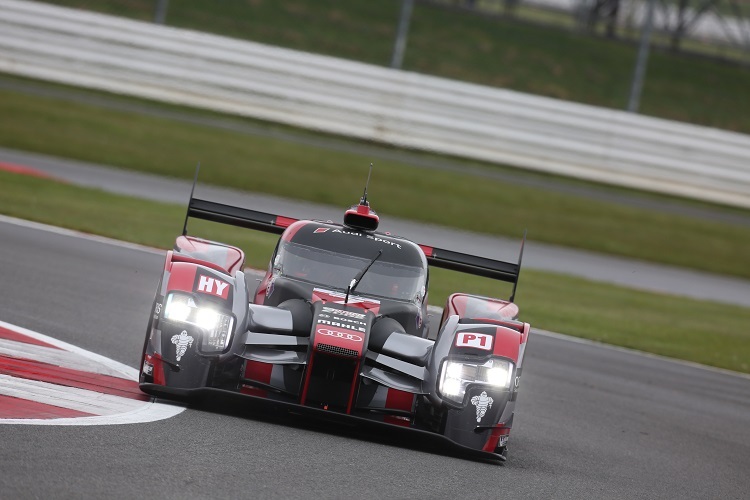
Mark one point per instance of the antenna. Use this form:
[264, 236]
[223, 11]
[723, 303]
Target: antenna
[518, 274]
[363, 201]
[192, 190]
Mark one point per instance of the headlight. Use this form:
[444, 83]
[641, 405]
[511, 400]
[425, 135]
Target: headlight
[207, 318]
[217, 326]
[456, 376]
[178, 307]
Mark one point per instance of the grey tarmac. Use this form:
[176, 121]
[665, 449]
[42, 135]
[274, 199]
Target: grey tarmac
[592, 421]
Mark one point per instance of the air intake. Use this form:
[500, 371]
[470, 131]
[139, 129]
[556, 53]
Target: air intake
[337, 351]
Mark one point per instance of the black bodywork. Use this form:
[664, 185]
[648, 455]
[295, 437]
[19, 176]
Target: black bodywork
[312, 339]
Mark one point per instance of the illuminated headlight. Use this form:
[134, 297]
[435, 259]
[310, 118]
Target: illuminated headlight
[178, 307]
[217, 327]
[207, 318]
[456, 376]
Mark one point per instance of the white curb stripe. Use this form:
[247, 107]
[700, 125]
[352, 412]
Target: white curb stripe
[148, 412]
[63, 396]
[110, 409]
[57, 357]
[122, 370]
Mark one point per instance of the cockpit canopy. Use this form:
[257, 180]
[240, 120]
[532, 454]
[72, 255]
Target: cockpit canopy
[331, 256]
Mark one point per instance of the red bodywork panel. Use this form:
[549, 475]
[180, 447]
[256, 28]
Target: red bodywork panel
[224, 258]
[292, 227]
[261, 372]
[155, 361]
[260, 293]
[509, 333]
[494, 439]
[399, 400]
[468, 306]
[507, 343]
[334, 297]
[181, 277]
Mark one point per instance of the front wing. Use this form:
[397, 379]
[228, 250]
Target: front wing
[208, 395]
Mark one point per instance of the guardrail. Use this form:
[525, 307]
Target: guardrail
[374, 103]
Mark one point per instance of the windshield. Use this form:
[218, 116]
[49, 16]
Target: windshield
[336, 270]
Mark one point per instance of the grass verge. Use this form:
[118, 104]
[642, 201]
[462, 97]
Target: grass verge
[500, 52]
[704, 332]
[304, 171]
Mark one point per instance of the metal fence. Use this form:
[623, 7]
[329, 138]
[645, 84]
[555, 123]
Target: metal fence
[372, 102]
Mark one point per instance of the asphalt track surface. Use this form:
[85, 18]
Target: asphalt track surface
[592, 421]
[593, 266]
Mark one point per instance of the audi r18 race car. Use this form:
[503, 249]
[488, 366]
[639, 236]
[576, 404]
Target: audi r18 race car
[338, 327]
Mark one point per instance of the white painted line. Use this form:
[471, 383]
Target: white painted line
[78, 234]
[147, 412]
[57, 357]
[63, 396]
[122, 370]
[111, 410]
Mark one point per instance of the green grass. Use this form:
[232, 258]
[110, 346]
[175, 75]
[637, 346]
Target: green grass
[704, 332]
[530, 58]
[269, 165]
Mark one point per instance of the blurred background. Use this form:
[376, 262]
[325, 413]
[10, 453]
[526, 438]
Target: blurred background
[578, 50]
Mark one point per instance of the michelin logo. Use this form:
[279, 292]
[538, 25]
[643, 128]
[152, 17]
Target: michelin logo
[483, 402]
[182, 342]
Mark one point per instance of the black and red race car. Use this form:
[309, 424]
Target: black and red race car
[338, 328]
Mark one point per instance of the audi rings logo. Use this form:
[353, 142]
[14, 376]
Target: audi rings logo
[339, 335]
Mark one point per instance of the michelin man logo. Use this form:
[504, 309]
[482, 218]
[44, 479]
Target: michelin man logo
[483, 402]
[183, 341]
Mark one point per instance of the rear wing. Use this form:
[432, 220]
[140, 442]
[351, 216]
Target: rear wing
[236, 216]
[276, 224]
[479, 266]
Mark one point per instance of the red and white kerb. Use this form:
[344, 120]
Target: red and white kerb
[44, 381]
